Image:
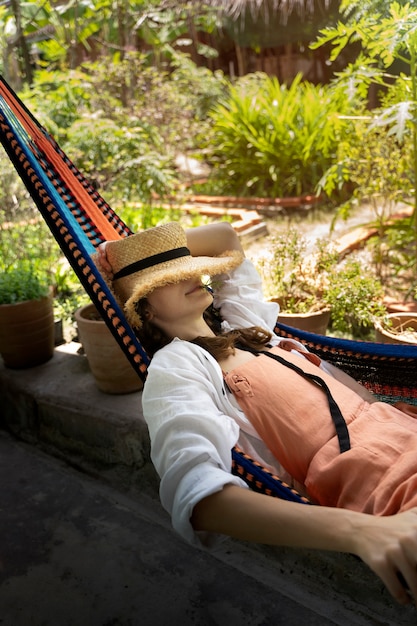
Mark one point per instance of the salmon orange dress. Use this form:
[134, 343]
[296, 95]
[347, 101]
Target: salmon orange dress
[377, 471]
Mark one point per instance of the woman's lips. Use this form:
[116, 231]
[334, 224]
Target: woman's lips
[194, 289]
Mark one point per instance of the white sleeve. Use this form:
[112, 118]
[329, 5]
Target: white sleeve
[191, 439]
[240, 299]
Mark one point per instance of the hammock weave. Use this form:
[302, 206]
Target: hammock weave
[387, 370]
[80, 220]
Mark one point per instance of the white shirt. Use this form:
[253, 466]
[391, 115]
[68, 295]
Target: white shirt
[193, 422]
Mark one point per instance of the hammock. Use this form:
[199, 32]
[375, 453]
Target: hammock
[80, 220]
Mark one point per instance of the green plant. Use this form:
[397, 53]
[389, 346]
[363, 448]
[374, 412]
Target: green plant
[274, 140]
[355, 296]
[295, 276]
[306, 277]
[22, 282]
[377, 169]
[388, 37]
[69, 295]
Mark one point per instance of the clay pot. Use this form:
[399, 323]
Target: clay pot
[403, 329]
[27, 332]
[111, 369]
[313, 322]
[396, 306]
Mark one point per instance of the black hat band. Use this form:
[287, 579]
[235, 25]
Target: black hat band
[150, 261]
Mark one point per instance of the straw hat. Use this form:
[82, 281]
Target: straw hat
[156, 257]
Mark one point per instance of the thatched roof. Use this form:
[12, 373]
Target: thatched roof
[268, 23]
[264, 9]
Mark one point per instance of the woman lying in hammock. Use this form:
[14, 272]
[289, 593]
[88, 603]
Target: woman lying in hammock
[216, 383]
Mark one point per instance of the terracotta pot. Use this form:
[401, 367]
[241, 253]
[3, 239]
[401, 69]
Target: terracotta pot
[111, 369]
[397, 332]
[313, 322]
[396, 306]
[27, 332]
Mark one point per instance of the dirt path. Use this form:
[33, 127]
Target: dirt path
[314, 225]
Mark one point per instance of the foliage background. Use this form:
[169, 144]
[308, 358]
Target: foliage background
[123, 99]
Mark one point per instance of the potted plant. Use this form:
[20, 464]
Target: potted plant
[397, 328]
[297, 279]
[112, 371]
[317, 290]
[26, 316]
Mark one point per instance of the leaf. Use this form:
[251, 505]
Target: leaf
[397, 117]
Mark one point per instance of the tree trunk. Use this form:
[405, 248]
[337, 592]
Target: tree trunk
[26, 66]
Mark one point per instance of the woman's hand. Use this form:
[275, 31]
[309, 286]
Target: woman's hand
[103, 260]
[389, 547]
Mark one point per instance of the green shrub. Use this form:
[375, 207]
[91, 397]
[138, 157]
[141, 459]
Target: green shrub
[123, 122]
[120, 156]
[272, 140]
[296, 275]
[355, 297]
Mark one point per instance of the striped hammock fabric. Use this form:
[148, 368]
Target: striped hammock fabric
[80, 219]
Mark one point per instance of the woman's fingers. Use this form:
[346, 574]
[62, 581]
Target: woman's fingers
[406, 562]
[102, 258]
[394, 557]
[401, 580]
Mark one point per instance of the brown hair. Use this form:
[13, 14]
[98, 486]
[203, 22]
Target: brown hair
[220, 347]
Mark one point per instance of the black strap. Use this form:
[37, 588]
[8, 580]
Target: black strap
[337, 417]
[150, 261]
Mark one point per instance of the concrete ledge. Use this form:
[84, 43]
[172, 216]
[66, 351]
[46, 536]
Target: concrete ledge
[58, 407]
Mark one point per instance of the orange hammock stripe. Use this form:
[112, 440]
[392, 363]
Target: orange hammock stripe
[42, 143]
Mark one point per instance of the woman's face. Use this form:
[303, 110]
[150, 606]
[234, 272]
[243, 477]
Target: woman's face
[178, 308]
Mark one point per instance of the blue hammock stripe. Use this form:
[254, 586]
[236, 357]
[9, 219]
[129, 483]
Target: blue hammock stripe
[262, 480]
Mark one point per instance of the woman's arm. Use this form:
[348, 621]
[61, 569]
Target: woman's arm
[208, 240]
[387, 544]
[212, 239]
